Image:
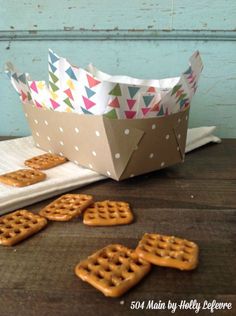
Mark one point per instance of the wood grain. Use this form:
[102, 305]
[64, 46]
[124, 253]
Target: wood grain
[195, 200]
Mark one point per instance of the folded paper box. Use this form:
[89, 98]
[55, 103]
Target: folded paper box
[121, 145]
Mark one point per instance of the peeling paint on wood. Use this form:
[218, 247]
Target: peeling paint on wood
[151, 39]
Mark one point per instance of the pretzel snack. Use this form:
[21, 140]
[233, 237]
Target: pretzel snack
[113, 270]
[19, 225]
[168, 251]
[45, 161]
[66, 207]
[22, 177]
[108, 213]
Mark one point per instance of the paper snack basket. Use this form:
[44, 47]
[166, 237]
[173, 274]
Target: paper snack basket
[117, 146]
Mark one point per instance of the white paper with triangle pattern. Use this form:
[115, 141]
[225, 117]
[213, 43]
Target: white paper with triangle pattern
[73, 89]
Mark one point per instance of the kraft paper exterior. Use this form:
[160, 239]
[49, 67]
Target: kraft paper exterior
[118, 148]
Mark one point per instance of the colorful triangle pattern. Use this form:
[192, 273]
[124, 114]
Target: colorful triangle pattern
[116, 90]
[92, 81]
[111, 114]
[53, 57]
[89, 92]
[147, 99]
[131, 103]
[67, 101]
[114, 103]
[133, 91]
[54, 104]
[130, 114]
[71, 73]
[69, 94]
[34, 87]
[88, 103]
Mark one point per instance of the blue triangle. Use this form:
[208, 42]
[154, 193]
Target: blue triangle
[22, 78]
[188, 71]
[89, 92]
[15, 76]
[53, 56]
[133, 91]
[147, 99]
[71, 73]
[161, 112]
[53, 68]
[86, 111]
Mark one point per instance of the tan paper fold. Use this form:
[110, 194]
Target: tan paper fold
[116, 148]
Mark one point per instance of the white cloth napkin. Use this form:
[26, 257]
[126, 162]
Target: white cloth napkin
[199, 136]
[63, 178]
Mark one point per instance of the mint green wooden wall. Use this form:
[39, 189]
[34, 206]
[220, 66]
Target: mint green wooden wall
[140, 38]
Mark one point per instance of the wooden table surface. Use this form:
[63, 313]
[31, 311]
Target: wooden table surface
[195, 200]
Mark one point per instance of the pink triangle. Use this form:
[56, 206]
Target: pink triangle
[92, 82]
[130, 114]
[23, 95]
[145, 110]
[54, 104]
[131, 103]
[114, 103]
[179, 92]
[88, 103]
[38, 104]
[69, 94]
[151, 89]
[34, 87]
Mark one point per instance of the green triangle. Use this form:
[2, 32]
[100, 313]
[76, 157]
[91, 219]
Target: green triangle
[175, 89]
[54, 78]
[112, 114]
[53, 86]
[67, 101]
[181, 97]
[116, 90]
[29, 96]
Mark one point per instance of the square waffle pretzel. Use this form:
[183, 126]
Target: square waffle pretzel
[108, 213]
[113, 270]
[22, 177]
[168, 251]
[45, 161]
[15, 227]
[66, 207]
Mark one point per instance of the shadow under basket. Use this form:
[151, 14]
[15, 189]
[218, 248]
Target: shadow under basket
[117, 148]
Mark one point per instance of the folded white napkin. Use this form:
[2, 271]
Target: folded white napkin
[199, 136]
[63, 178]
[60, 179]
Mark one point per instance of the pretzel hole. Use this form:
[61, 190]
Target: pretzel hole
[161, 247]
[7, 236]
[151, 237]
[8, 226]
[185, 259]
[107, 269]
[26, 226]
[17, 231]
[101, 211]
[17, 222]
[130, 270]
